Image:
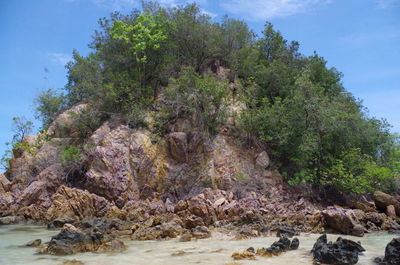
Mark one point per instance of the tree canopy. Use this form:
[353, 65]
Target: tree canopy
[296, 106]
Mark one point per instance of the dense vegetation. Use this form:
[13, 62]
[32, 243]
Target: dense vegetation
[162, 61]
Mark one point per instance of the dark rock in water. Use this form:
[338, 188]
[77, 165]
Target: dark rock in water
[343, 251]
[34, 243]
[294, 244]
[283, 244]
[392, 253]
[71, 240]
[251, 249]
[285, 231]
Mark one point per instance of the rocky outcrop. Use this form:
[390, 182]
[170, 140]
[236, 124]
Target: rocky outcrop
[383, 200]
[75, 204]
[343, 251]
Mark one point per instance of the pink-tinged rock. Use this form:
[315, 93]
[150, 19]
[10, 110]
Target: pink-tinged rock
[37, 193]
[4, 184]
[342, 220]
[198, 206]
[169, 206]
[109, 172]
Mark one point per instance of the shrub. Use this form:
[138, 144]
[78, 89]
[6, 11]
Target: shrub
[191, 96]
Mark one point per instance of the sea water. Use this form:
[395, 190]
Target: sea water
[216, 250]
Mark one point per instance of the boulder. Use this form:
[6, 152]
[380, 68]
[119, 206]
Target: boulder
[343, 220]
[383, 200]
[343, 251]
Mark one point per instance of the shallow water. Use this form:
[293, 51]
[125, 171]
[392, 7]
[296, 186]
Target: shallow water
[214, 251]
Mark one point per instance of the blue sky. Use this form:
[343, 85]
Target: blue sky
[361, 38]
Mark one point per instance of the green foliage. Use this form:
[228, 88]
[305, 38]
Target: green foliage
[49, 104]
[191, 96]
[241, 177]
[70, 155]
[357, 173]
[21, 128]
[299, 108]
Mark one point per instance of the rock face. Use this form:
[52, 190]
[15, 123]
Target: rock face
[343, 251]
[383, 200]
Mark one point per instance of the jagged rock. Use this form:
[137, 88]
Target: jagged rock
[75, 204]
[383, 200]
[343, 251]
[34, 243]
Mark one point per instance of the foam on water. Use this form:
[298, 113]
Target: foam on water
[213, 251]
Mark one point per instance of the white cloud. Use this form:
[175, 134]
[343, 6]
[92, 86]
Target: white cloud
[60, 58]
[267, 9]
[383, 4]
